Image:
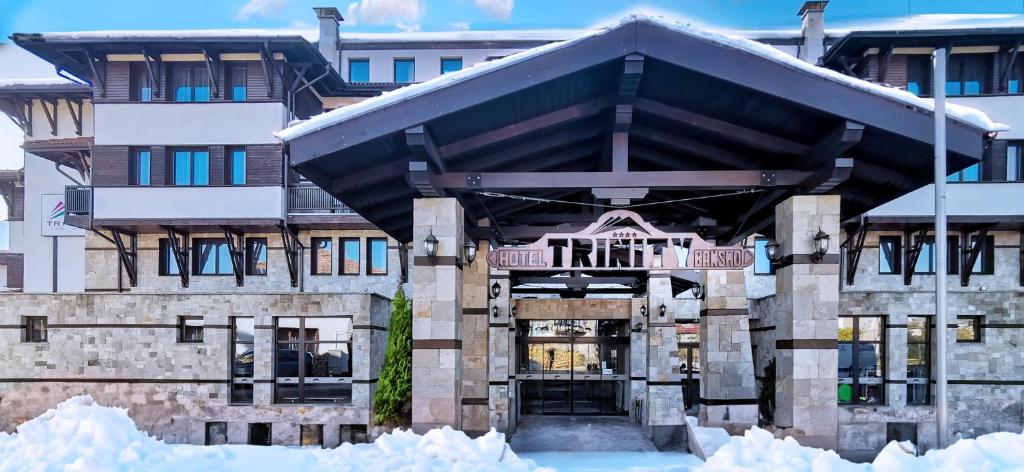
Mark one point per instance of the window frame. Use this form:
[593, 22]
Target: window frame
[927, 379]
[167, 266]
[978, 336]
[856, 342]
[136, 168]
[394, 69]
[987, 257]
[230, 154]
[183, 323]
[917, 63]
[960, 176]
[250, 262]
[28, 334]
[314, 250]
[234, 343]
[369, 256]
[757, 251]
[449, 59]
[896, 264]
[172, 166]
[1015, 173]
[342, 252]
[359, 60]
[301, 340]
[197, 260]
[138, 82]
[962, 63]
[952, 255]
[232, 69]
[196, 71]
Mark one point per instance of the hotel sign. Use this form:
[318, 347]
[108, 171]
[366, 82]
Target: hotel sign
[620, 239]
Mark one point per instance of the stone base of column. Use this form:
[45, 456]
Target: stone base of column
[498, 408]
[734, 418]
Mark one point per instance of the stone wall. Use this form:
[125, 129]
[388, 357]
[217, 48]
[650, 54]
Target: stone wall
[123, 350]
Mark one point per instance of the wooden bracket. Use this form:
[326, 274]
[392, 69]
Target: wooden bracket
[127, 253]
[913, 243]
[291, 244]
[180, 252]
[236, 245]
[854, 247]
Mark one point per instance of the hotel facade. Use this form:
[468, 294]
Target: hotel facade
[582, 219]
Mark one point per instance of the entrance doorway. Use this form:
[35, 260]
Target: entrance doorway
[573, 367]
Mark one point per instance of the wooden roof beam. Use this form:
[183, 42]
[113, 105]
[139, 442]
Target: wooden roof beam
[695, 147]
[841, 139]
[706, 179]
[421, 144]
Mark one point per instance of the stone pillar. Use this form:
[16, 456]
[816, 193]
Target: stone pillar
[727, 389]
[501, 369]
[807, 300]
[475, 318]
[638, 362]
[667, 415]
[437, 315]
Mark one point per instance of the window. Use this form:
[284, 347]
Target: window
[312, 362]
[405, 71]
[889, 251]
[970, 174]
[450, 64]
[141, 166]
[359, 70]
[216, 433]
[1014, 162]
[762, 266]
[235, 165]
[190, 82]
[311, 435]
[35, 329]
[349, 256]
[243, 335]
[141, 86]
[919, 75]
[190, 329]
[353, 433]
[211, 257]
[968, 74]
[861, 359]
[191, 167]
[259, 434]
[256, 256]
[985, 263]
[167, 265]
[236, 81]
[688, 348]
[1015, 78]
[377, 256]
[320, 254]
[919, 366]
[926, 260]
[968, 329]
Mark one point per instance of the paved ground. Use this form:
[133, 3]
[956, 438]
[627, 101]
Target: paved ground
[579, 434]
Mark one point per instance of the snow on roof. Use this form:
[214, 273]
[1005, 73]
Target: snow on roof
[931, 22]
[112, 35]
[468, 36]
[965, 114]
[12, 83]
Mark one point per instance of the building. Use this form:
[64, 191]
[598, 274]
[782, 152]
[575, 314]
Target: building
[204, 236]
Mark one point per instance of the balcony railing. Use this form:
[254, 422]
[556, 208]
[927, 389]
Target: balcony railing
[313, 199]
[78, 200]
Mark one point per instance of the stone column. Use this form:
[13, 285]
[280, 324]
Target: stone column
[727, 389]
[807, 300]
[501, 369]
[476, 316]
[638, 361]
[437, 316]
[667, 415]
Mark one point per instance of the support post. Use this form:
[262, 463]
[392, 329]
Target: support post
[939, 84]
[665, 403]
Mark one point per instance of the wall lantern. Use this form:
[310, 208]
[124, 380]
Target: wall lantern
[495, 290]
[697, 291]
[430, 245]
[513, 311]
[662, 309]
[469, 251]
[820, 245]
[771, 250]
[494, 311]
[643, 311]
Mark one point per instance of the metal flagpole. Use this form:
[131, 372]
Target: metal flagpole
[939, 85]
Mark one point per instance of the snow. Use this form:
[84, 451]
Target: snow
[709, 439]
[968, 115]
[108, 35]
[6, 83]
[454, 36]
[82, 436]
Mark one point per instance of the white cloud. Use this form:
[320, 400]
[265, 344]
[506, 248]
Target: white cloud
[460, 25]
[500, 9]
[259, 7]
[404, 14]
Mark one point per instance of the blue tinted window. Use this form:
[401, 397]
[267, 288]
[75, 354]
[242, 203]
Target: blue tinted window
[224, 260]
[238, 93]
[968, 74]
[238, 167]
[237, 82]
[1013, 162]
[182, 167]
[200, 168]
[378, 256]
[952, 88]
[183, 93]
[972, 173]
[146, 94]
[451, 65]
[358, 70]
[914, 88]
[213, 257]
[761, 263]
[405, 71]
[202, 94]
[143, 168]
[926, 261]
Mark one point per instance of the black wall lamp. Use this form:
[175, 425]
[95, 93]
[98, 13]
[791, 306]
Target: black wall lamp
[771, 251]
[821, 240]
[430, 244]
[495, 290]
[494, 311]
[643, 311]
[512, 312]
[697, 291]
[661, 310]
[469, 251]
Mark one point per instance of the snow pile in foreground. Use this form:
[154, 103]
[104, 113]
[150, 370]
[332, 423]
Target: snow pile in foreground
[80, 435]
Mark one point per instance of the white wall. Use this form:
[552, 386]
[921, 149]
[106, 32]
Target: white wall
[428, 61]
[41, 178]
[977, 199]
[65, 125]
[188, 202]
[1005, 109]
[146, 124]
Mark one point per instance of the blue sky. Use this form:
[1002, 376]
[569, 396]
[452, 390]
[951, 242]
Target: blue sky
[433, 15]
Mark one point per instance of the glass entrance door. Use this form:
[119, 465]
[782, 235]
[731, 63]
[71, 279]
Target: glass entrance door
[573, 366]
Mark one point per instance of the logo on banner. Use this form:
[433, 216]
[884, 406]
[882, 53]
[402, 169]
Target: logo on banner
[620, 239]
[53, 212]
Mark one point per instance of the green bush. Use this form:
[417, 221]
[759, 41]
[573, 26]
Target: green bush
[395, 388]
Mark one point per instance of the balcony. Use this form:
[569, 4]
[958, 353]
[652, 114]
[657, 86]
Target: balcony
[310, 199]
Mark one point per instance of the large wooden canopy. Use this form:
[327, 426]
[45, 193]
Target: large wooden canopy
[642, 110]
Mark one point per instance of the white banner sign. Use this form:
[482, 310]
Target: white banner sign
[52, 213]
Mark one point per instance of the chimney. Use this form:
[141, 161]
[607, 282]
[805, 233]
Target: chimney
[812, 30]
[329, 18]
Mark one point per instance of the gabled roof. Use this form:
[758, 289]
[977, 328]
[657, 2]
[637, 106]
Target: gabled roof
[703, 101]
